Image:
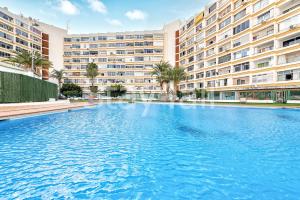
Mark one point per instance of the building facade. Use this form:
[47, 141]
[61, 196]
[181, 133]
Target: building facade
[238, 49]
[18, 33]
[125, 58]
[233, 49]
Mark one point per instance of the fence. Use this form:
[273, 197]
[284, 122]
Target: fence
[15, 88]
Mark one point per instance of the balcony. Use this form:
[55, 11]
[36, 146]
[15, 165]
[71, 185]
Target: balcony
[264, 48]
[241, 81]
[288, 7]
[289, 58]
[265, 62]
[263, 33]
[290, 24]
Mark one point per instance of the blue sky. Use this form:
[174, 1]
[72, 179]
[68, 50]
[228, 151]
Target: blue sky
[90, 16]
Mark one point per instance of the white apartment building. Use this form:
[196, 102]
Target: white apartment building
[125, 58]
[243, 49]
[19, 33]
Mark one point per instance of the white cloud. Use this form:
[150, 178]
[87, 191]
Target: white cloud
[67, 7]
[136, 15]
[98, 6]
[114, 22]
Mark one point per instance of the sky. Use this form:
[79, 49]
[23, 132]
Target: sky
[100, 16]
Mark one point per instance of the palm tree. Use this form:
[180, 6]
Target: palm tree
[58, 75]
[92, 73]
[160, 71]
[26, 60]
[176, 75]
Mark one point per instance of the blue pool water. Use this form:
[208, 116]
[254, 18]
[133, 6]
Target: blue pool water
[151, 151]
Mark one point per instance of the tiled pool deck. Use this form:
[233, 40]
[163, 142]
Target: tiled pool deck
[15, 110]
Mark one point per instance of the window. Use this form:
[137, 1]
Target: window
[5, 45]
[225, 58]
[199, 27]
[211, 84]
[211, 31]
[200, 75]
[212, 8]
[264, 17]
[191, 50]
[263, 33]
[241, 67]
[210, 52]
[266, 62]
[289, 23]
[35, 30]
[138, 59]
[102, 38]
[211, 73]
[239, 3]
[190, 24]
[240, 15]
[225, 47]
[120, 37]
[148, 51]
[211, 41]
[6, 17]
[262, 78]
[241, 54]
[295, 40]
[6, 27]
[259, 5]
[241, 27]
[225, 70]
[241, 41]
[102, 59]
[225, 35]
[21, 33]
[211, 20]
[20, 41]
[36, 46]
[225, 11]
[241, 81]
[5, 55]
[190, 86]
[6, 36]
[285, 75]
[225, 23]
[190, 68]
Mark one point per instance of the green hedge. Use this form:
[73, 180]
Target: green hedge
[15, 88]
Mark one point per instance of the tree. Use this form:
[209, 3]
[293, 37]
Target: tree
[92, 73]
[176, 75]
[58, 75]
[25, 59]
[115, 90]
[160, 71]
[71, 90]
[201, 93]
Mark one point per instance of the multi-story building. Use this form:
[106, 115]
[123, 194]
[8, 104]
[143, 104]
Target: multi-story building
[242, 49]
[18, 33]
[234, 49]
[125, 58]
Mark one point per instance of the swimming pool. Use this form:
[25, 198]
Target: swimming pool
[156, 151]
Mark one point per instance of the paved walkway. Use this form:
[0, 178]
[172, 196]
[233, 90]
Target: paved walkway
[9, 111]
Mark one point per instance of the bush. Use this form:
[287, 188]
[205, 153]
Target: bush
[115, 90]
[180, 94]
[201, 93]
[71, 90]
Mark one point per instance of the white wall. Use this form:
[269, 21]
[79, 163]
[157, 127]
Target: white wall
[56, 46]
[169, 41]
